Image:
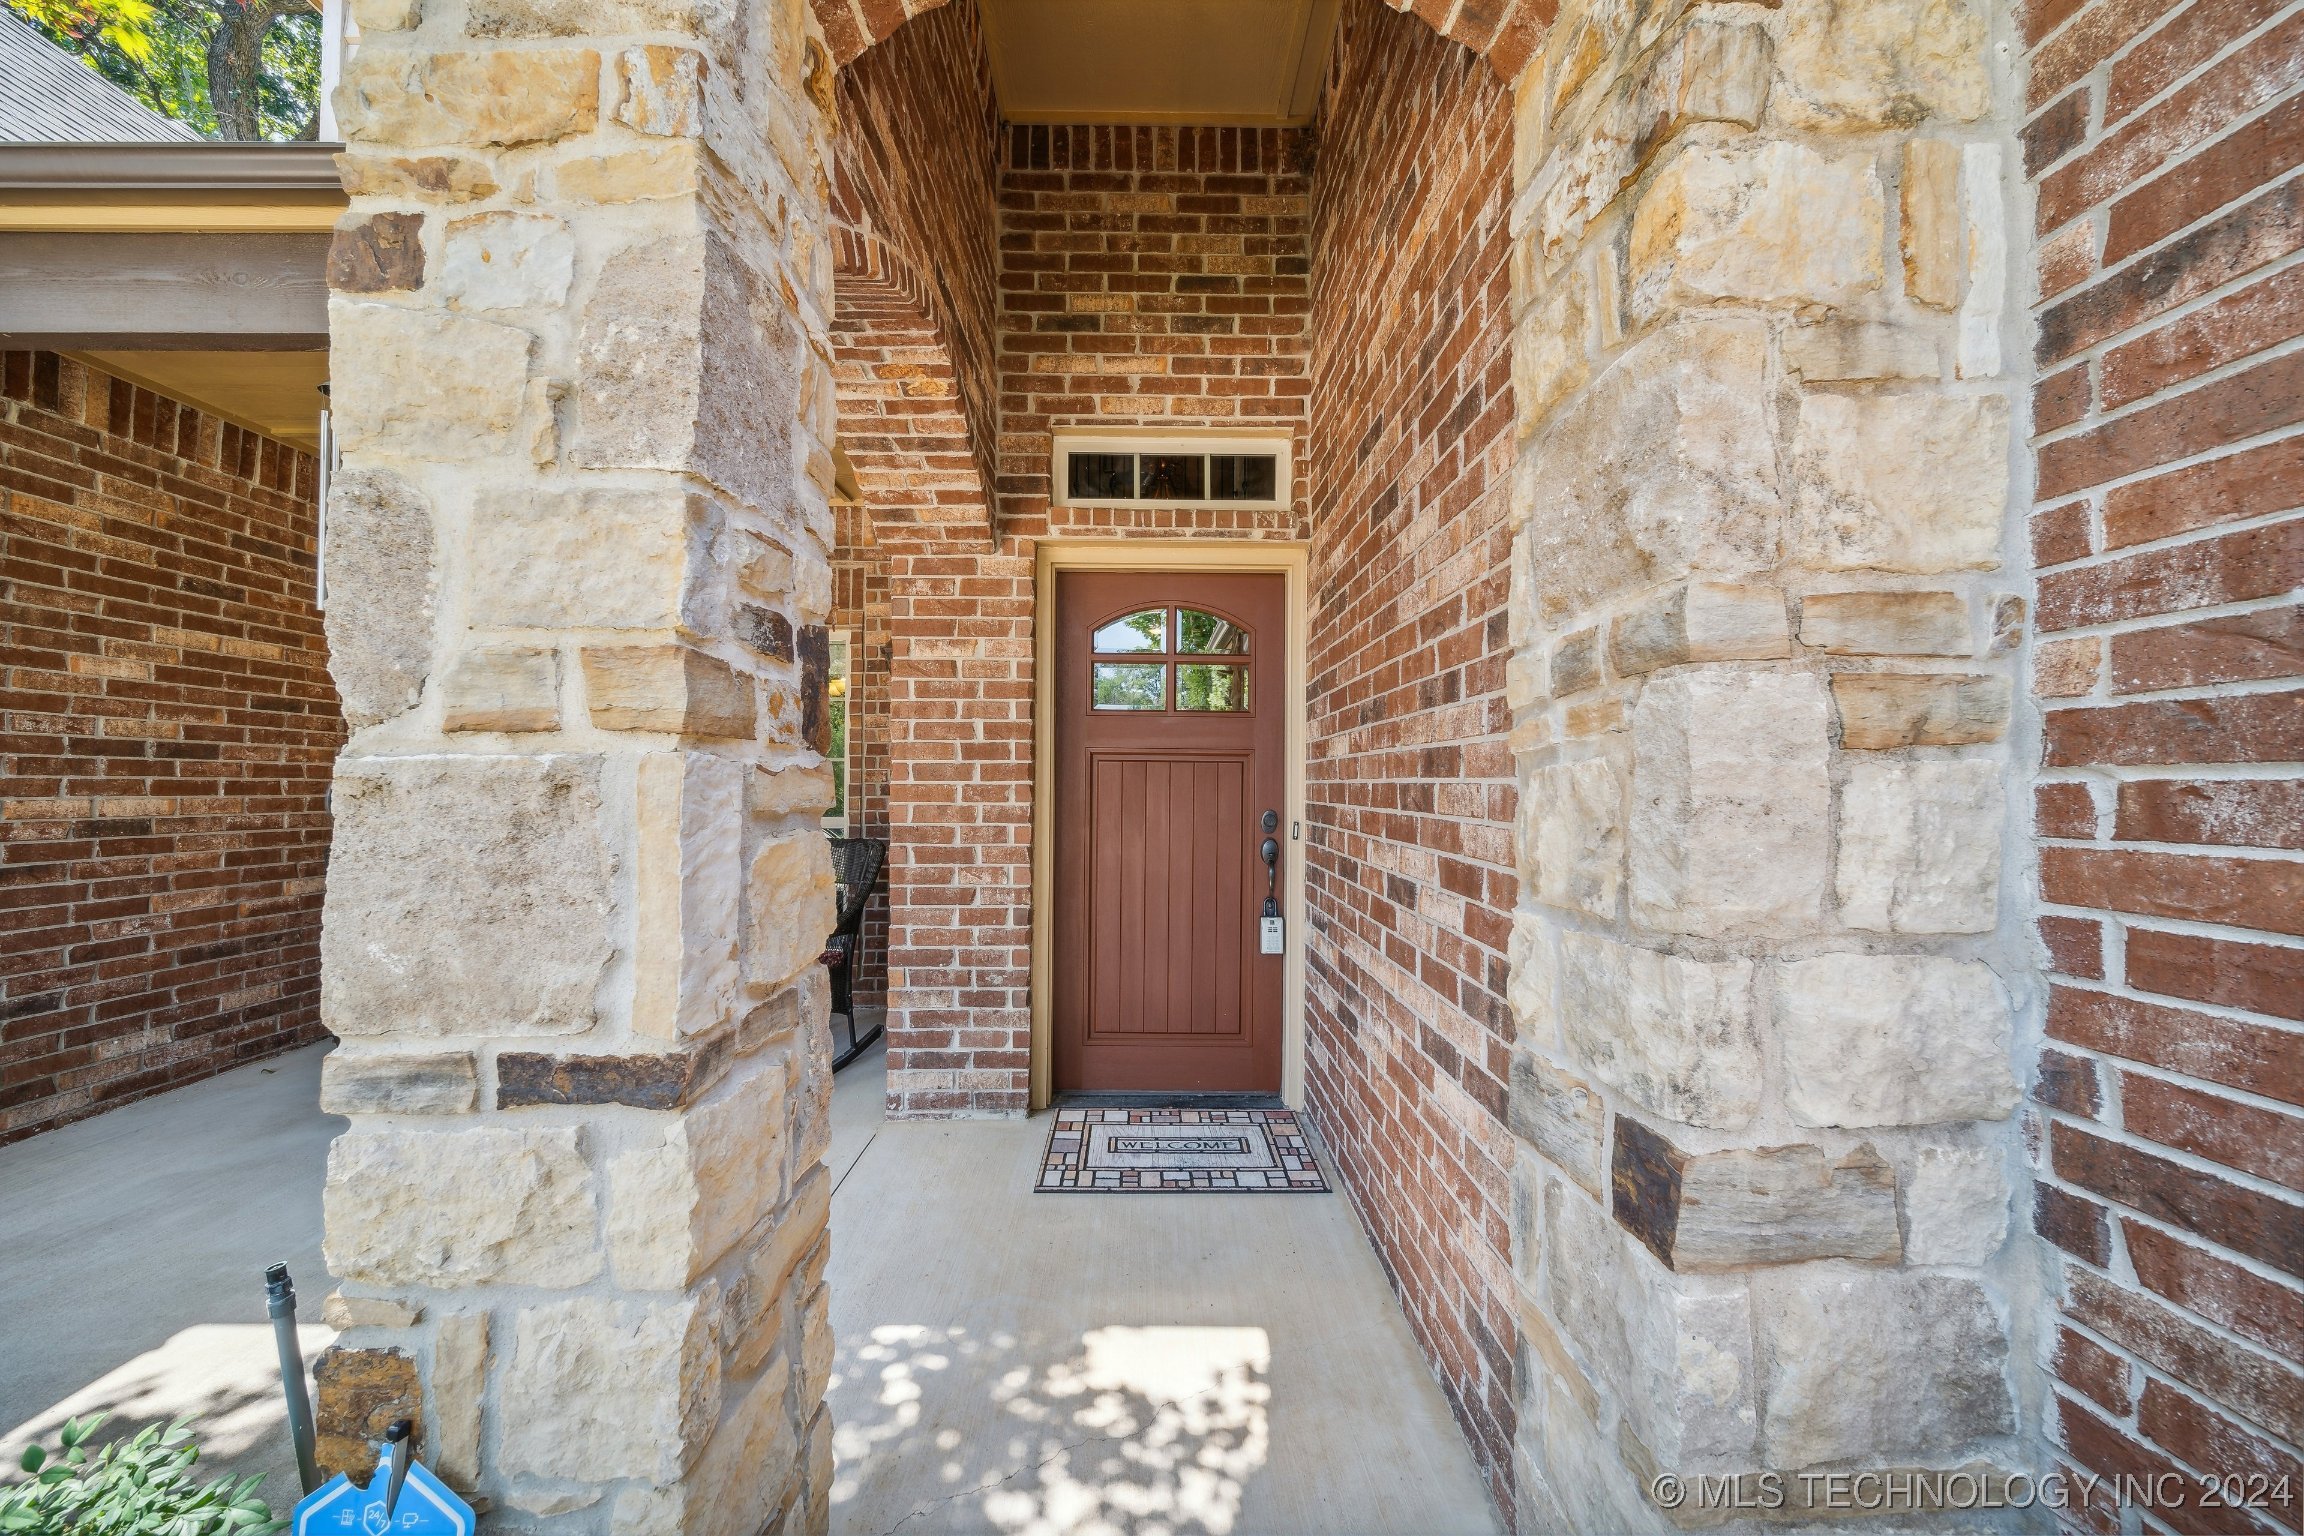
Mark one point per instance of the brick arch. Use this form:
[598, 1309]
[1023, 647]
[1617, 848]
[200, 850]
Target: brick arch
[903, 422]
[1504, 32]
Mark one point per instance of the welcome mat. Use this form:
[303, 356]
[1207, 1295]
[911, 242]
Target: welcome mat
[1151, 1150]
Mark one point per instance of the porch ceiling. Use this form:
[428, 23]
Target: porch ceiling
[1159, 61]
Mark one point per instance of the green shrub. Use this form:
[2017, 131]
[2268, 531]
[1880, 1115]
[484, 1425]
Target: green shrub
[141, 1486]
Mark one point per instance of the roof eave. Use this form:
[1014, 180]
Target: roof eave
[189, 169]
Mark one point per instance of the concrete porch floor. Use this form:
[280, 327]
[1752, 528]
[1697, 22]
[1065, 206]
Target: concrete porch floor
[1014, 1362]
[1004, 1361]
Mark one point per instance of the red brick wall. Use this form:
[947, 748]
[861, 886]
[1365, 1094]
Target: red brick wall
[1411, 786]
[1150, 277]
[2161, 145]
[1145, 276]
[860, 614]
[170, 728]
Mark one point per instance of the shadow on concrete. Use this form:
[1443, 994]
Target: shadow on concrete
[1145, 1430]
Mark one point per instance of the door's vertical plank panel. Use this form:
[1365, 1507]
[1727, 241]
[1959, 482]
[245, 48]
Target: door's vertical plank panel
[1228, 953]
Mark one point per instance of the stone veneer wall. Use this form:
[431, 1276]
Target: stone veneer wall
[2162, 151]
[579, 570]
[1411, 788]
[169, 728]
[1769, 961]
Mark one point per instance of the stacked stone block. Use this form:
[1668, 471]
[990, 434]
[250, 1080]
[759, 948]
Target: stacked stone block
[579, 571]
[1763, 635]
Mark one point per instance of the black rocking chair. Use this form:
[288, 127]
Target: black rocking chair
[856, 867]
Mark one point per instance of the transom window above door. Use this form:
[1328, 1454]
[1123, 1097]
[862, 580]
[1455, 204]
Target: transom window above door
[1169, 659]
[1205, 471]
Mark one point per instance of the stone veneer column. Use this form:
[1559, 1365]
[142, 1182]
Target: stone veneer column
[1763, 971]
[579, 571]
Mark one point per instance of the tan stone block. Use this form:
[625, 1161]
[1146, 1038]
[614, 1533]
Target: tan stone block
[466, 896]
[661, 90]
[1575, 663]
[639, 175]
[1882, 1366]
[1886, 623]
[356, 1082]
[1881, 63]
[502, 688]
[494, 261]
[1588, 718]
[752, 1463]
[459, 1382]
[424, 385]
[592, 559]
[1709, 70]
[446, 178]
[456, 1208]
[386, 15]
[776, 792]
[404, 96]
[677, 1204]
[1915, 482]
[1701, 621]
[1876, 1040]
[1956, 1205]
[1676, 1353]
[666, 688]
[755, 1311]
[1934, 263]
[599, 18]
[1851, 351]
[2067, 669]
[1665, 465]
[1768, 223]
[1675, 1035]
[342, 1312]
[601, 1388]
[1881, 711]
[1731, 803]
[1572, 816]
[1919, 846]
[789, 908]
[1562, 1117]
[1736, 1209]
[1531, 983]
[650, 393]
[383, 572]
[688, 886]
[1549, 350]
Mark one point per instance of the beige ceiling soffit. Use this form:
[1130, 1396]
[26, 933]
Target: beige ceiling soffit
[1203, 63]
[229, 385]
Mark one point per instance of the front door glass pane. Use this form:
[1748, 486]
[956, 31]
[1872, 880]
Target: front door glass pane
[1129, 685]
[1218, 690]
[1209, 634]
[1146, 631]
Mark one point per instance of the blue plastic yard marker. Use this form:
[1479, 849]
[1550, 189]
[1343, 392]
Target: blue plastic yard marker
[426, 1506]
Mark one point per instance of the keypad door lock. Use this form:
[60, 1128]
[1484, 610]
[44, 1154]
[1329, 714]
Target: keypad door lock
[1271, 928]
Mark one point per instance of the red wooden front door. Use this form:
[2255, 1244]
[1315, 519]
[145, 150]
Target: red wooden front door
[1169, 747]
